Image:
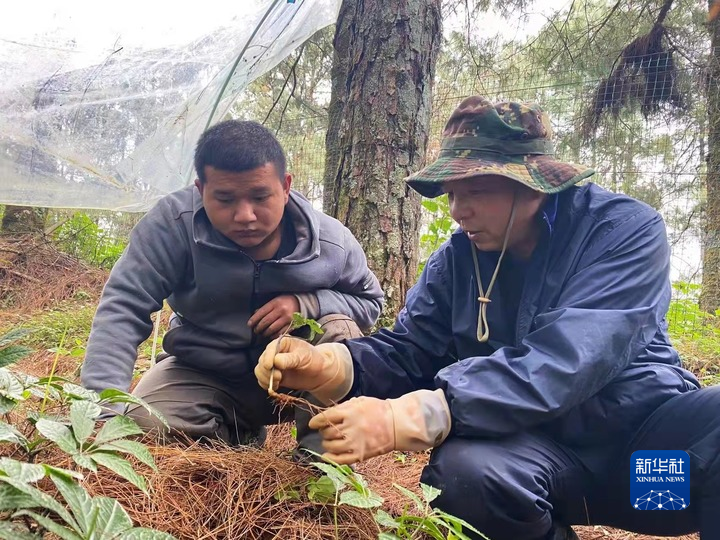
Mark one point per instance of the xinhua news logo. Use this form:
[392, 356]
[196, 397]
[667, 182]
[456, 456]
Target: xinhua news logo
[660, 480]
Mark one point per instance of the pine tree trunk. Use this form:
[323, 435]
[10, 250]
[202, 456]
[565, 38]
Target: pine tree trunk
[710, 296]
[23, 220]
[379, 115]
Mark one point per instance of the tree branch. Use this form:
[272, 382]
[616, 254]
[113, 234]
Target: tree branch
[285, 83]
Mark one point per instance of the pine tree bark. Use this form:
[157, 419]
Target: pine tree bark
[710, 296]
[379, 115]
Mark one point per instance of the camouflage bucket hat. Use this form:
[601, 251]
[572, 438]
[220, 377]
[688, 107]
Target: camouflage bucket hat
[507, 139]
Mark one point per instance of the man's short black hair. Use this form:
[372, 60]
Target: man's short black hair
[237, 146]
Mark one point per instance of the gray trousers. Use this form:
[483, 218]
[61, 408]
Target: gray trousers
[198, 404]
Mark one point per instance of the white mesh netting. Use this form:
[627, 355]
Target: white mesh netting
[102, 108]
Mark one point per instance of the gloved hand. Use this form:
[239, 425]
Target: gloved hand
[366, 427]
[326, 370]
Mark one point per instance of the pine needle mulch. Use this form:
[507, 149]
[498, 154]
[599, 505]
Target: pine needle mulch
[200, 493]
[608, 533]
[34, 275]
[225, 493]
[217, 492]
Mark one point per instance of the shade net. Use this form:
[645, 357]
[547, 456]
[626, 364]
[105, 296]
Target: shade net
[101, 107]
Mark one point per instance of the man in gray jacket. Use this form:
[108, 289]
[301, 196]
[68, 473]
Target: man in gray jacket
[235, 256]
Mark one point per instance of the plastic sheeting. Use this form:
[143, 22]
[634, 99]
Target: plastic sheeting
[93, 117]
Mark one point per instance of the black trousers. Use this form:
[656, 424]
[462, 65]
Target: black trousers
[515, 488]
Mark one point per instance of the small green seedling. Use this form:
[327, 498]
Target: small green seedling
[82, 430]
[298, 321]
[428, 521]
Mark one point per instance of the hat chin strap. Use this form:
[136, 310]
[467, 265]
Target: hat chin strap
[483, 330]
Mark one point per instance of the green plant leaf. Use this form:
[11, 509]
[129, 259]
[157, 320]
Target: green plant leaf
[335, 475]
[430, 205]
[134, 448]
[429, 526]
[287, 494]
[430, 493]
[41, 499]
[11, 386]
[19, 470]
[82, 419]
[12, 353]
[322, 490]
[14, 335]
[53, 392]
[121, 467]
[56, 381]
[50, 525]
[356, 481]
[454, 533]
[315, 328]
[9, 434]
[12, 499]
[14, 531]
[386, 520]
[76, 391]
[113, 395]
[58, 433]
[141, 533]
[457, 525]
[57, 471]
[85, 461]
[298, 321]
[388, 536]
[77, 499]
[25, 379]
[110, 518]
[360, 500]
[6, 404]
[410, 495]
[118, 427]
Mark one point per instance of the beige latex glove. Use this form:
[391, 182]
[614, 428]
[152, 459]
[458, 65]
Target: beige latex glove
[366, 427]
[326, 370]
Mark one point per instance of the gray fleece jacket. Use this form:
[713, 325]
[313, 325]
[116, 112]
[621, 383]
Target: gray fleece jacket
[174, 253]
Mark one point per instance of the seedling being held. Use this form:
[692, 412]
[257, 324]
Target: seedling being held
[298, 321]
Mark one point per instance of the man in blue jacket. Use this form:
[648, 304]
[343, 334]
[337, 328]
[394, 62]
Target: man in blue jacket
[235, 256]
[532, 355]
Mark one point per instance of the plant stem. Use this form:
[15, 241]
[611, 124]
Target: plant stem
[52, 370]
[271, 390]
[335, 507]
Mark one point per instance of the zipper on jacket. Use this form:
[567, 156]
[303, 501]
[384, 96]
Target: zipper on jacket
[256, 275]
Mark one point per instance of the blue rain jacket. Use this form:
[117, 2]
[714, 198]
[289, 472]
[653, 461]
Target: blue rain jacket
[588, 358]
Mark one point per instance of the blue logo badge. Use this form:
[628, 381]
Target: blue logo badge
[660, 480]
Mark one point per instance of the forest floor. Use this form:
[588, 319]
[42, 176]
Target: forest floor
[55, 296]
